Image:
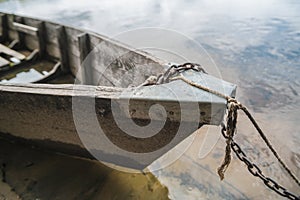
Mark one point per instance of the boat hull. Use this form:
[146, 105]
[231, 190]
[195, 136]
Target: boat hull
[101, 116]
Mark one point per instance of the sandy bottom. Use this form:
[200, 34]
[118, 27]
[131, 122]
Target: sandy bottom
[6, 192]
[28, 173]
[194, 174]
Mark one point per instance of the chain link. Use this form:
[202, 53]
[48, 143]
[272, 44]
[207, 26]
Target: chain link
[177, 69]
[172, 71]
[256, 171]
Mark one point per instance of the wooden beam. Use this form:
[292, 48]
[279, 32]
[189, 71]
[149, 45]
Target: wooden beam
[4, 24]
[11, 52]
[54, 73]
[30, 30]
[63, 48]
[85, 49]
[38, 32]
[3, 62]
[41, 34]
[13, 44]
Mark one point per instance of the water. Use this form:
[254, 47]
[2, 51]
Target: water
[28, 74]
[255, 44]
[32, 174]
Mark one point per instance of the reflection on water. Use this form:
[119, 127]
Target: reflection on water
[256, 44]
[28, 74]
[25, 76]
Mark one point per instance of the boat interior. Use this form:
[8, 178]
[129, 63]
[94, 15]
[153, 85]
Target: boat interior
[38, 51]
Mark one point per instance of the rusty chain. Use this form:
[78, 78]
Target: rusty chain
[177, 69]
[256, 171]
[171, 72]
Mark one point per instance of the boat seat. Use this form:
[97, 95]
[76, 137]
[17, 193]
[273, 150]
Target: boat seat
[17, 55]
[11, 52]
[8, 56]
[24, 29]
[3, 62]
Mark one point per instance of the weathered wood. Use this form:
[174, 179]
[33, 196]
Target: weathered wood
[25, 28]
[51, 119]
[38, 32]
[3, 62]
[53, 50]
[42, 39]
[12, 33]
[46, 113]
[86, 64]
[13, 53]
[123, 66]
[73, 40]
[142, 98]
[63, 48]
[4, 26]
[21, 35]
[13, 44]
[150, 65]
[55, 72]
[33, 55]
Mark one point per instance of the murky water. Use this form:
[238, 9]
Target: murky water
[255, 44]
[34, 174]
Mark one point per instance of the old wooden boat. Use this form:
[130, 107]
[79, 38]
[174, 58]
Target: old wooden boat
[71, 105]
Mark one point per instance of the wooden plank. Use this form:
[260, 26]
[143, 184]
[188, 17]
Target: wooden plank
[54, 73]
[32, 42]
[73, 40]
[13, 43]
[13, 35]
[25, 28]
[4, 26]
[63, 48]
[51, 32]
[123, 68]
[3, 62]
[8, 51]
[52, 50]
[86, 65]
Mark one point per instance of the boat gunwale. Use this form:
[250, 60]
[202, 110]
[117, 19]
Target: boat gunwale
[93, 33]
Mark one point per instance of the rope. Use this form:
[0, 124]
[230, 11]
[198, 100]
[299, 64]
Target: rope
[230, 131]
[233, 106]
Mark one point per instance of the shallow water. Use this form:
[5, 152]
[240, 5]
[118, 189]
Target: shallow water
[27, 173]
[255, 44]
